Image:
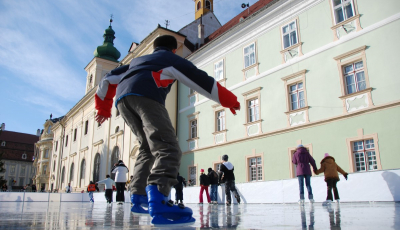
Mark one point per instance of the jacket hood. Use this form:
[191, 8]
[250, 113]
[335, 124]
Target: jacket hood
[228, 165]
[328, 160]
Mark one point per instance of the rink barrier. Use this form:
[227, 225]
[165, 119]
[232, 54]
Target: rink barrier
[376, 186]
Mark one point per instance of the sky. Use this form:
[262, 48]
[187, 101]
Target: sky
[45, 46]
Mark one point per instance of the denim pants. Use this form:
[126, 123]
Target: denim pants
[159, 156]
[308, 185]
[214, 192]
[230, 186]
[91, 197]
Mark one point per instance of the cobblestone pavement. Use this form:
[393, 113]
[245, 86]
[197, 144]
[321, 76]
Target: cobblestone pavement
[78, 215]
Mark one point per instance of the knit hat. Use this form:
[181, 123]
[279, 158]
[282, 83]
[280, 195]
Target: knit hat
[201, 170]
[326, 155]
[225, 157]
[299, 146]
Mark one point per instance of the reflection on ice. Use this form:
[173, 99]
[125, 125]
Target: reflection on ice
[76, 215]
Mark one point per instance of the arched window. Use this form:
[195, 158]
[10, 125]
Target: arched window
[83, 169]
[3, 143]
[49, 129]
[63, 175]
[66, 141]
[116, 129]
[71, 173]
[208, 4]
[114, 159]
[198, 5]
[90, 78]
[24, 156]
[96, 168]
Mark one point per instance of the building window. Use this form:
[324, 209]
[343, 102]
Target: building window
[86, 126]
[117, 129]
[12, 169]
[192, 96]
[255, 169]
[217, 167]
[296, 93]
[3, 143]
[364, 155]
[192, 174]
[66, 141]
[83, 169]
[63, 175]
[46, 153]
[56, 146]
[342, 10]
[253, 110]
[24, 156]
[220, 120]
[75, 131]
[71, 173]
[193, 128]
[289, 33]
[208, 4]
[54, 166]
[96, 168]
[198, 5]
[98, 124]
[249, 53]
[219, 70]
[22, 170]
[44, 172]
[354, 77]
[49, 130]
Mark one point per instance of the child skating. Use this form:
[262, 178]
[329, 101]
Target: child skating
[330, 170]
[140, 98]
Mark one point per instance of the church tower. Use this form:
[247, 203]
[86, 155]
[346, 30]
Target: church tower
[202, 7]
[105, 59]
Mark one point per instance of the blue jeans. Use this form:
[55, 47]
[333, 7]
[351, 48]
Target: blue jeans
[308, 185]
[214, 192]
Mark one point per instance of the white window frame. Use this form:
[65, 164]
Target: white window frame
[46, 153]
[220, 120]
[193, 129]
[256, 169]
[363, 151]
[354, 72]
[301, 103]
[342, 5]
[248, 55]
[219, 70]
[251, 107]
[24, 156]
[288, 33]
[23, 169]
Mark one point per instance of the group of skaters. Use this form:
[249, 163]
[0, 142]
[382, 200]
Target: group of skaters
[225, 176]
[303, 159]
[26, 188]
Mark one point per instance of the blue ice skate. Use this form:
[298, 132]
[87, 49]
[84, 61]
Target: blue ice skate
[139, 201]
[165, 212]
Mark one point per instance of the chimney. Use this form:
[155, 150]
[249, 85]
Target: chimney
[201, 32]
[38, 132]
[3, 126]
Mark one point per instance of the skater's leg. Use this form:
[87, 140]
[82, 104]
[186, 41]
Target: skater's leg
[308, 185]
[201, 194]
[207, 194]
[234, 191]
[329, 184]
[144, 160]
[228, 192]
[301, 186]
[335, 190]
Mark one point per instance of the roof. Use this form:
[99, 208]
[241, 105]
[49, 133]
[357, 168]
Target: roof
[261, 4]
[18, 137]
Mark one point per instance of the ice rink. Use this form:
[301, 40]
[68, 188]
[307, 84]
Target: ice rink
[84, 215]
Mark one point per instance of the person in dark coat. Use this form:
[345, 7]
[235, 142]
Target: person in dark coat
[226, 173]
[179, 189]
[302, 159]
[214, 185]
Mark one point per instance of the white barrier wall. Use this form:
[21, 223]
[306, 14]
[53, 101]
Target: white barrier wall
[367, 186]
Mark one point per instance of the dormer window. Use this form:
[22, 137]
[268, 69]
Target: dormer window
[49, 130]
[24, 156]
[199, 5]
[3, 143]
[91, 78]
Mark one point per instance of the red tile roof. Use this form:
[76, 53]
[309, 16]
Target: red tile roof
[246, 13]
[18, 137]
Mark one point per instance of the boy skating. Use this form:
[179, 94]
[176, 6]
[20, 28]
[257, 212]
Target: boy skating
[140, 98]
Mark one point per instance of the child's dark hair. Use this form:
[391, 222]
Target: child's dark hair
[107, 176]
[166, 41]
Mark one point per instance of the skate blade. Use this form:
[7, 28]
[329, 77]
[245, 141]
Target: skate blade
[160, 221]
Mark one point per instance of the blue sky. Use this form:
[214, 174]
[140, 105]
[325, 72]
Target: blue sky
[45, 46]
